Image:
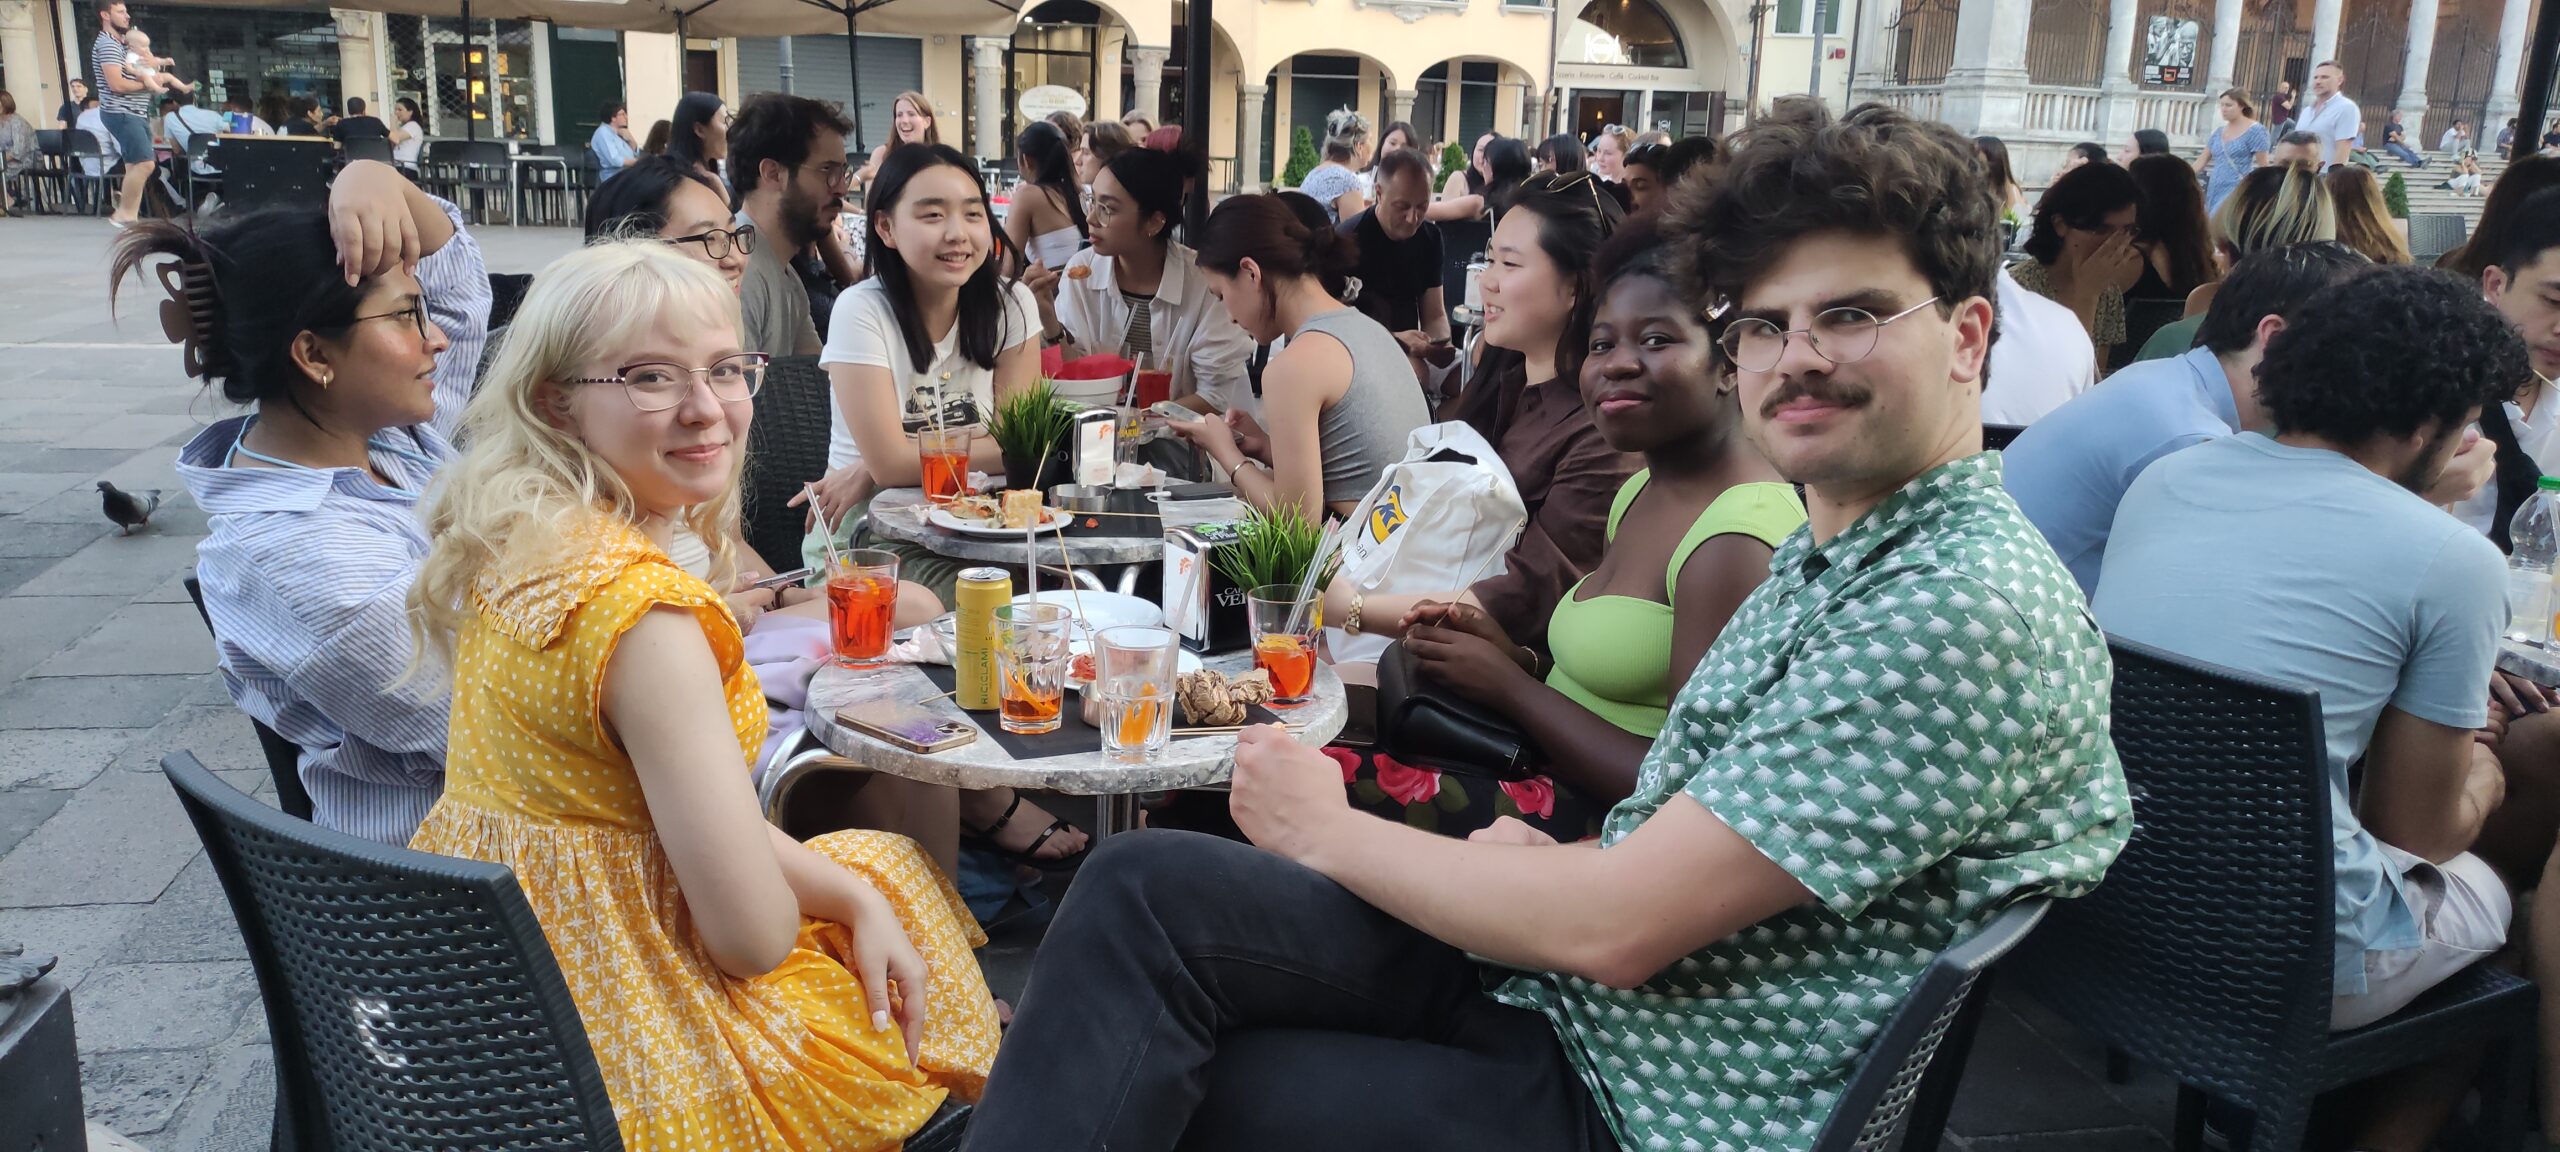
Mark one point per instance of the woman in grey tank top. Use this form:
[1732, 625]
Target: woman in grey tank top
[1341, 398]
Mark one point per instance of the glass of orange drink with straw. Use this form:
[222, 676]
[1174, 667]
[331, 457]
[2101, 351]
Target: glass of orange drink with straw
[944, 452]
[1284, 619]
[862, 596]
[1031, 665]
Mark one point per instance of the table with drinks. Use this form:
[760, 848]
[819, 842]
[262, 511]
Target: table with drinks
[1006, 719]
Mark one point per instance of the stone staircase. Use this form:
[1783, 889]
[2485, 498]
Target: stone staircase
[2427, 199]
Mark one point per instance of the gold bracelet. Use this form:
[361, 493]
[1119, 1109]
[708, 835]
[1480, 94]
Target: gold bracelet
[1351, 619]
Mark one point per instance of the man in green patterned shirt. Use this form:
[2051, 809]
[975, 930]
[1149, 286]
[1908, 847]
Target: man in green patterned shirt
[1901, 731]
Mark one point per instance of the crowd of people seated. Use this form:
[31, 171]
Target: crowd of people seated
[1782, 633]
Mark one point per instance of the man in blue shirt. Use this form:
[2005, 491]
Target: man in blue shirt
[2068, 471]
[2308, 557]
[2331, 116]
[611, 145]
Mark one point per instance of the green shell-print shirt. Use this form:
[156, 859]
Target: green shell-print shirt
[1910, 719]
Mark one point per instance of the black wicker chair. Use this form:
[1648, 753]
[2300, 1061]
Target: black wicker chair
[786, 449]
[412, 999]
[1899, 1096]
[2207, 951]
[284, 757]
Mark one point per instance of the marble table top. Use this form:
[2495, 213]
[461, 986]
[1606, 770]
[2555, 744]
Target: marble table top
[2530, 661]
[1197, 762]
[898, 514]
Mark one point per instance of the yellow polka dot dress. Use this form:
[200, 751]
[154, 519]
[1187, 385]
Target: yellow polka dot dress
[694, 1058]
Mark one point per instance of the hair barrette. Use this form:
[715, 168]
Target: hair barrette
[187, 316]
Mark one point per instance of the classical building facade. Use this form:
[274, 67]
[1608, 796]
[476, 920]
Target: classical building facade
[2043, 75]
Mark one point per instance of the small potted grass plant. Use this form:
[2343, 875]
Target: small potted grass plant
[1274, 547]
[1030, 429]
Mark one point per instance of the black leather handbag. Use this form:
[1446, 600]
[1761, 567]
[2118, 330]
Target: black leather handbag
[1421, 721]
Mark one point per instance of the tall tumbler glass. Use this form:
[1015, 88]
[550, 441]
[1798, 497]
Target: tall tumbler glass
[862, 596]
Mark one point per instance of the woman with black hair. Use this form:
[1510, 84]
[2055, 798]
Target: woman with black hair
[2170, 229]
[1562, 155]
[1047, 221]
[1398, 135]
[1138, 292]
[1339, 400]
[936, 335]
[2081, 253]
[357, 369]
[698, 137]
[1687, 539]
[1506, 165]
[679, 203]
[1522, 398]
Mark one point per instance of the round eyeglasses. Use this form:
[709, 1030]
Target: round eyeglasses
[1839, 335]
[656, 387]
[718, 243]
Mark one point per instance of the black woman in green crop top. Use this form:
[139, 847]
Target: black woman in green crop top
[1689, 538]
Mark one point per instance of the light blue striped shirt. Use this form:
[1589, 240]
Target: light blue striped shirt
[306, 577]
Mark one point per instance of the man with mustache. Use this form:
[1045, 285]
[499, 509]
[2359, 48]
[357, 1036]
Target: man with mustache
[2307, 556]
[786, 158]
[1900, 731]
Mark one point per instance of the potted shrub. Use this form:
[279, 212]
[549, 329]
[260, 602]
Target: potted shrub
[1302, 158]
[2395, 198]
[1274, 548]
[1030, 429]
[1452, 158]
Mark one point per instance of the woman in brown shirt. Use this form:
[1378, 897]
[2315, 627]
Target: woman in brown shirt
[1524, 399]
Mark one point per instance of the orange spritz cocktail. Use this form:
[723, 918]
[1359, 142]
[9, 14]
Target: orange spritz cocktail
[1291, 661]
[861, 599]
[944, 453]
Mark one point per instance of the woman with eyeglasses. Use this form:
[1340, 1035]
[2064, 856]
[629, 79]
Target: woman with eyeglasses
[1523, 398]
[356, 367]
[667, 199]
[1687, 539]
[2081, 252]
[744, 990]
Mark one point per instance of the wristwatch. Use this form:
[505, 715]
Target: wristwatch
[1351, 619]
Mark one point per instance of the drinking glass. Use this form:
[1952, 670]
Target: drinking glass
[1288, 653]
[1151, 383]
[862, 595]
[1134, 667]
[1031, 665]
[945, 454]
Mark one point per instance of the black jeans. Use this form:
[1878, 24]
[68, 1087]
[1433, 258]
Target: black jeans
[1198, 993]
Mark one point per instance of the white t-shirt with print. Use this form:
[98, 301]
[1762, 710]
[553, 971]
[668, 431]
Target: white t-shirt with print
[864, 330]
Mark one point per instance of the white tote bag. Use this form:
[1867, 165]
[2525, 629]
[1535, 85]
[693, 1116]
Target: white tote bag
[1440, 519]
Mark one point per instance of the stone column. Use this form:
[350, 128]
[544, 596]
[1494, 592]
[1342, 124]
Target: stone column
[2505, 88]
[2324, 40]
[2413, 76]
[1147, 68]
[986, 55]
[1875, 47]
[356, 76]
[1254, 175]
[21, 55]
[1986, 89]
[2224, 63]
[2118, 109]
[1399, 107]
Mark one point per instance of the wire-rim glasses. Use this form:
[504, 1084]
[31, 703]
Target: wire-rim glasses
[415, 313]
[717, 243]
[1839, 335]
[655, 386]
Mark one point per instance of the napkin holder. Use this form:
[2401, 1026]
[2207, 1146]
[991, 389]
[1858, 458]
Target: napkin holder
[1200, 601]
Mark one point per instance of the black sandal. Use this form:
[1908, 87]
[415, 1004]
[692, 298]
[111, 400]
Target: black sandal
[1029, 856]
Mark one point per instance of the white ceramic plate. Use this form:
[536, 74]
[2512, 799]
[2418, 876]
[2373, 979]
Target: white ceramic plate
[1100, 610]
[1051, 520]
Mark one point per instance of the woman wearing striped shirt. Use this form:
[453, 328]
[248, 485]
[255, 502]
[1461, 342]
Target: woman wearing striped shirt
[353, 331]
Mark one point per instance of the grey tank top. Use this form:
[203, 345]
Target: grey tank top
[1365, 430]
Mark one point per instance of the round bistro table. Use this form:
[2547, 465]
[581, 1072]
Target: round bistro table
[899, 514]
[1194, 762]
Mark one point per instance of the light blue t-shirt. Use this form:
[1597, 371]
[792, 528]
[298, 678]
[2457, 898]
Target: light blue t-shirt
[2339, 119]
[2302, 566]
[2069, 470]
[613, 153]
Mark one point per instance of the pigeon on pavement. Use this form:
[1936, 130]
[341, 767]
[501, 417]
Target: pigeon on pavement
[126, 509]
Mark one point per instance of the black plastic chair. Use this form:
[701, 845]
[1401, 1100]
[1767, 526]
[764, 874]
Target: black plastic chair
[1996, 437]
[44, 180]
[92, 193]
[272, 170]
[786, 450]
[2207, 952]
[484, 179]
[440, 168]
[367, 148]
[1904, 1085]
[198, 184]
[412, 999]
[284, 757]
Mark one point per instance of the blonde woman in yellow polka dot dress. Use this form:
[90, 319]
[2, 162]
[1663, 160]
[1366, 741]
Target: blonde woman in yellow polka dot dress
[741, 990]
